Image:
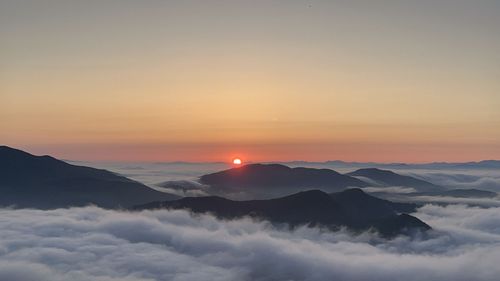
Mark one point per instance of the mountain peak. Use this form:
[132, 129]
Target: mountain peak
[45, 182]
[259, 180]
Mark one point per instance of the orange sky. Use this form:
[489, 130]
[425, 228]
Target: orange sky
[204, 81]
[415, 153]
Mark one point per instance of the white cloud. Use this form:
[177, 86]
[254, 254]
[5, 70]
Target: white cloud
[390, 189]
[484, 202]
[183, 188]
[95, 244]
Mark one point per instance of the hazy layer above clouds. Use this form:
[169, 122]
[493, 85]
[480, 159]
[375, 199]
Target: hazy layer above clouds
[95, 244]
[482, 179]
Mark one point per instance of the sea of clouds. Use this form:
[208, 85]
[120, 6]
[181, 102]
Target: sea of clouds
[95, 244]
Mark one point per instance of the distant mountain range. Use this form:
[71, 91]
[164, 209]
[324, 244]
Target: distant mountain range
[264, 181]
[261, 181]
[351, 208]
[45, 182]
[338, 164]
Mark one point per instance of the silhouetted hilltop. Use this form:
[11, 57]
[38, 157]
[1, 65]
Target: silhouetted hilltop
[45, 182]
[277, 180]
[389, 178]
[351, 208]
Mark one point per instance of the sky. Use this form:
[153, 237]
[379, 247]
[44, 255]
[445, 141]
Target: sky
[119, 80]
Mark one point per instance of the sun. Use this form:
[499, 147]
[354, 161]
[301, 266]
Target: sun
[237, 161]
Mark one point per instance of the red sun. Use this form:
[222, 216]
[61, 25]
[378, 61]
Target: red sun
[237, 161]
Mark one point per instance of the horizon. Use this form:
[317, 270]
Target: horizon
[247, 162]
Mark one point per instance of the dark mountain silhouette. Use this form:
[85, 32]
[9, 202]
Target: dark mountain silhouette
[271, 180]
[389, 178]
[460, 193]
[351, 208]
[45, 182]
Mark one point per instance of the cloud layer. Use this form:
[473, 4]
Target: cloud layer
[95, 244]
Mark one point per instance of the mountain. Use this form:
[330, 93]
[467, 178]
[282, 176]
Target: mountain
[272, 180]
[389, 178]
[29, 181]
[351, 208]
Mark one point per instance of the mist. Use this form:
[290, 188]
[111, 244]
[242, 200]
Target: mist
[96, 244]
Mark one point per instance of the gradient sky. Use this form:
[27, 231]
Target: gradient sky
[204, 80]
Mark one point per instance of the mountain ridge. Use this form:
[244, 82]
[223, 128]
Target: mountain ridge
[277, 180]
[45, 182]
[351, 208]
